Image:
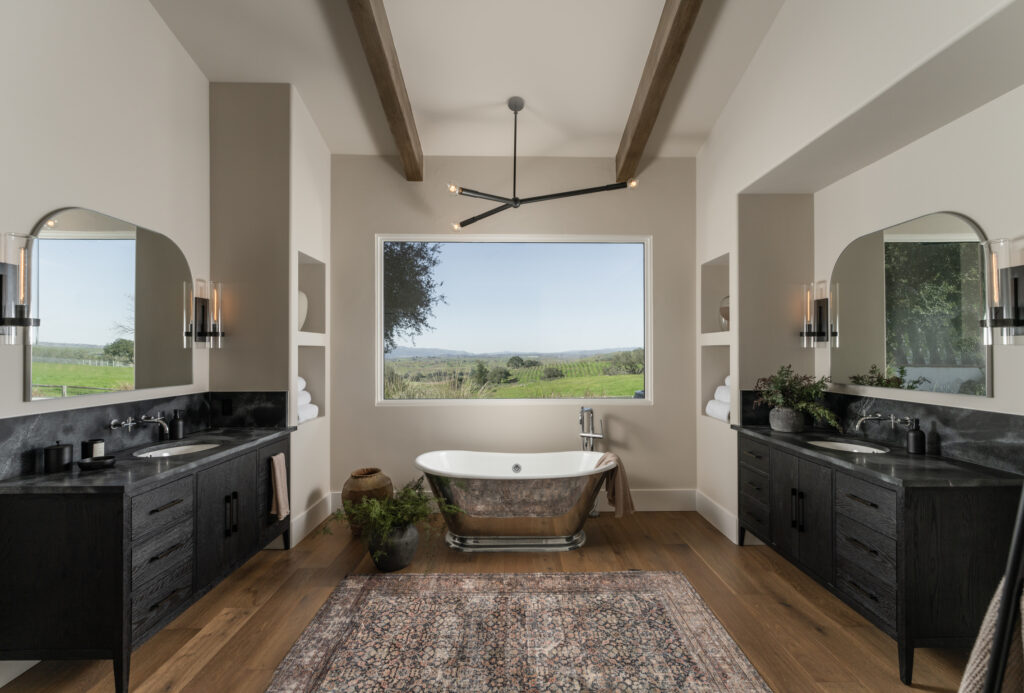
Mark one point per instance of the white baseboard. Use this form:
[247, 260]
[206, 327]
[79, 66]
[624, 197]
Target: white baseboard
[306, 522]
[10, 670]
[722, 520]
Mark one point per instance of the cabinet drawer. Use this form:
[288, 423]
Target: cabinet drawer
[868, 593]
[870, 505]
[754, 454]
[160, 597]
[754, 516]
[754, 484]
[167, 505]
[153, 556]
[864, 548]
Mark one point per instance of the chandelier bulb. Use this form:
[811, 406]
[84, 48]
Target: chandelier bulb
[454, 189]
[633, 182]
[456, 226]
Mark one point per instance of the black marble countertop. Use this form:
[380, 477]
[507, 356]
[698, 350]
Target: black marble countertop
[894, 468]
[132, 474]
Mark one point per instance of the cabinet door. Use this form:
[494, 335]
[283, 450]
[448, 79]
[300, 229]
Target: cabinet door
[214, 545]
[814, 520]
[270, 526]
[243, 495]
[785, 485]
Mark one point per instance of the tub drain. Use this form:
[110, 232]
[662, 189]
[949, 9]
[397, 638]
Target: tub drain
[516, 468]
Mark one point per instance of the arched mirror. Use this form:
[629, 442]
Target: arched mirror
[911, 298]
[110, 302]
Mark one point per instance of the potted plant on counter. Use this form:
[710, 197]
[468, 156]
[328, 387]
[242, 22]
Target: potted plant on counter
[790, 396]
[389, 524]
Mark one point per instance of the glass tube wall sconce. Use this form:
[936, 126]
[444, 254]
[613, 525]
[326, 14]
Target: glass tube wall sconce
[203, 305]
[816, 329]
[1004, 291]
[19, 314]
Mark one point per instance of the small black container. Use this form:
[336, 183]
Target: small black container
[57, 458]
[177, 426]
[93, 448]
[915, 439]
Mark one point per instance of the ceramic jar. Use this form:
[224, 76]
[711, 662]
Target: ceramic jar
[367, 482]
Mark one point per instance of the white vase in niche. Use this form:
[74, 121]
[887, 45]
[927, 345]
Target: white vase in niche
[303, 309]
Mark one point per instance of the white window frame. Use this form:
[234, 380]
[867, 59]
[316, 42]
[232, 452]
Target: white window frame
[378, 296]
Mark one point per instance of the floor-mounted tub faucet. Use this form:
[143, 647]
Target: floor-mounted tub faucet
[587, 434]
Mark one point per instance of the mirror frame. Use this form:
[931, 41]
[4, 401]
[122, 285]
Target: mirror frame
[989, 377]
[27, 348]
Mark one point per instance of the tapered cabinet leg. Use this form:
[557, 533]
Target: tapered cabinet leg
[906, 654]
[121, 664]
[743, 535]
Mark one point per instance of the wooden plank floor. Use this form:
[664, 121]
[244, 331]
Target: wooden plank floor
[799, 636]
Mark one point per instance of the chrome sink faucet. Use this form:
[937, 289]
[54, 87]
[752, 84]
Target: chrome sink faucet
[893, 420]
[158, 419]
[870, 417]
[128, 424]
[587, 433]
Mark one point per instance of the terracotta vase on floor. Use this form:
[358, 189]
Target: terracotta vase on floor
[367, 482]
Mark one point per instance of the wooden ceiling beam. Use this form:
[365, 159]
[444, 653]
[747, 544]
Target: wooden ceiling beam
[677, 19]
[379, 47]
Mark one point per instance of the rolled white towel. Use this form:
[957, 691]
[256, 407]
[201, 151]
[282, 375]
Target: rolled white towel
[717, 410]
[305, 398]
[307, 412]
[722, 394]
[728, 381]
[301, 382]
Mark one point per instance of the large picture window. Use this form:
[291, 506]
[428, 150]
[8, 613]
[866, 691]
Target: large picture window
[505, 319]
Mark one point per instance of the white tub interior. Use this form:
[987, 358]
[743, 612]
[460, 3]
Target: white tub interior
[467, 464]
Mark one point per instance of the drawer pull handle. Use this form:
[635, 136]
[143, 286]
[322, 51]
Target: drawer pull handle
[862, 546]
[858, 499]
[165, 599]
[752, 454]
[753, 485]
[165, 506]
[863, 591]
[164, 554]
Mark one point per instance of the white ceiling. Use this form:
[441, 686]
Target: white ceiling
[576, 62]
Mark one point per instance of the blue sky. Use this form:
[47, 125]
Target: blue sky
[538, 297]
[85, 287]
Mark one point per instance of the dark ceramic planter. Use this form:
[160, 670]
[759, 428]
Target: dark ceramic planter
[786, 420]
[399, 552]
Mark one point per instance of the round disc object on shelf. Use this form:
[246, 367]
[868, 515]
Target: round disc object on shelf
[303, 309]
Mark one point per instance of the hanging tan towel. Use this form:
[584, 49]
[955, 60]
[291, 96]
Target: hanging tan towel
[977, 665]
[279, 478]
[617, 485]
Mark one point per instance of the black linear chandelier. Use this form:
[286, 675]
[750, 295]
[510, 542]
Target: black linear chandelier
[515, 104]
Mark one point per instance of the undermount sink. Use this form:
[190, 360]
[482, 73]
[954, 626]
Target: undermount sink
[176, 450]
[847, 447]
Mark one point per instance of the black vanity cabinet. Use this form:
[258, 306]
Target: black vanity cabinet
[915, 545]
[801, 512]
[227, 527]
[96, 564]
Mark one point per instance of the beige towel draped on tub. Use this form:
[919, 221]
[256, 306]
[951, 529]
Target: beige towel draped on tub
[279, 477]
[617, 485]
[977, 665]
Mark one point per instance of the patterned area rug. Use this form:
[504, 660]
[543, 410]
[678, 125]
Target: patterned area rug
[635, 631]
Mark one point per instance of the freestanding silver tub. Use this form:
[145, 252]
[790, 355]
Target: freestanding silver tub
[514, 501]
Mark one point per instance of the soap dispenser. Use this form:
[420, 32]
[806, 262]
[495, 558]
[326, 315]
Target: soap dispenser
[915, 438]
[177, 426]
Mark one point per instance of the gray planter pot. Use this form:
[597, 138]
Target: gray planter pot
[399, 551]
[786, 420]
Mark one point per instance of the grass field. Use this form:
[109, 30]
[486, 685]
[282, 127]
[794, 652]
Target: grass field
[452, 378]
[77, 376]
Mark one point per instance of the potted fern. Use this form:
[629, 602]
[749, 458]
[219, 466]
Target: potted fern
[791, 395]
[389, 524]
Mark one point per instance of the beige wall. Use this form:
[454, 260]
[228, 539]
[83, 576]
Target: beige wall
[973, 166]
[818, 65]
[370, 197]
[134, 144]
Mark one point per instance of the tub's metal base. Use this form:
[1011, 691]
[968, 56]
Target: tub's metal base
[472, 544]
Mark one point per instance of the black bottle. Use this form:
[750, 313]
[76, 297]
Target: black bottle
[915, 439]
[177, 426]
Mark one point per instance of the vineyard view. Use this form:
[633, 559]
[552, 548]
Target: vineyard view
[478, 320]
